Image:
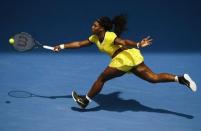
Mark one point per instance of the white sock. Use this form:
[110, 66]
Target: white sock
[176, 79]
[89, 99]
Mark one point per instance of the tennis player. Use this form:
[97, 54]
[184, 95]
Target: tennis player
[106, 35]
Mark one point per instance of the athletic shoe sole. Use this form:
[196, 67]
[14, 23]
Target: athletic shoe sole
[73, 96]
[78, 100]
[192, 85]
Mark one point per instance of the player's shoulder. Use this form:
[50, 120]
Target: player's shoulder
[110, 36]
[93, 38]
[110, 33]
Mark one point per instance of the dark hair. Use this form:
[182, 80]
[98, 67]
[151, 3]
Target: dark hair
[119, 23]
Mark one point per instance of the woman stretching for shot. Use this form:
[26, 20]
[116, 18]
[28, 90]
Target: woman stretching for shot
[106, 35]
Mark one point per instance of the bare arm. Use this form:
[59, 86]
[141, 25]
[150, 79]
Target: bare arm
[72, 45]
[143, 43]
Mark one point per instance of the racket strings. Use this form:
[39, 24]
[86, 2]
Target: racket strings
[23, 42]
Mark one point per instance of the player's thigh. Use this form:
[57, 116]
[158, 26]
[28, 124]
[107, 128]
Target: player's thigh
[110, 73]
[143, 71]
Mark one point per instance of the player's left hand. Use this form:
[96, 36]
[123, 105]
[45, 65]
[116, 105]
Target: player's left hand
[146, 42]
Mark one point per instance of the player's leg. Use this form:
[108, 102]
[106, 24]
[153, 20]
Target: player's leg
[147, 74]
[108, 74]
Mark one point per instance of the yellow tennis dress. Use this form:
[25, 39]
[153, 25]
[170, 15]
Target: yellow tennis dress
[123, 61]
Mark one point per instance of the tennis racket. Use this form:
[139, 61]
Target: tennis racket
[25, 94]
[24, 41]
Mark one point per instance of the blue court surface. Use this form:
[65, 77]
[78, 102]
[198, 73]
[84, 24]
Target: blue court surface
[125, 103]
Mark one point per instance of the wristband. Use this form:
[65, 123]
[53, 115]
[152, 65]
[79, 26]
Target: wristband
[62, 46]
[138, 45]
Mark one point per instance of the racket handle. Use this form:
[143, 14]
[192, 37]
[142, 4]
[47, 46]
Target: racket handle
[48, 47]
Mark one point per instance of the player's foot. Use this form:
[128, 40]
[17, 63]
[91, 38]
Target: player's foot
[186, 80]
[81, 100]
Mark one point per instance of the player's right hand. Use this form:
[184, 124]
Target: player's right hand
[57, 48]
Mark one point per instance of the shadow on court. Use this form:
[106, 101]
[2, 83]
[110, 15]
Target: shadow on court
[112, 102]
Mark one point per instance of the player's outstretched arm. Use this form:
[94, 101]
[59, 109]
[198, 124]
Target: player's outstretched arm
[72, 45]
[143, 43]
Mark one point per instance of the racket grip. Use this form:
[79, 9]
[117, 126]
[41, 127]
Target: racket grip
[48, 47]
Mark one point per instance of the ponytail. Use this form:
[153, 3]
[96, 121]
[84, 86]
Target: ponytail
[118, 23]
